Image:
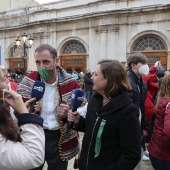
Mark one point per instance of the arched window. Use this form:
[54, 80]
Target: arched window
[149, 43]
[74, 47]
[17, 51]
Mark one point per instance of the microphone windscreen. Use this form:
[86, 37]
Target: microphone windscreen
[77, 99]
[38, 90]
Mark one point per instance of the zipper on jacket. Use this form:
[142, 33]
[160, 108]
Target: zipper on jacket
[91, 141]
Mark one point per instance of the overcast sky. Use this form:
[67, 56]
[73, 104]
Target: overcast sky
[45, 1]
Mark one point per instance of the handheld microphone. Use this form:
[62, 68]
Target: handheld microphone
[77, 99]
[37, 92]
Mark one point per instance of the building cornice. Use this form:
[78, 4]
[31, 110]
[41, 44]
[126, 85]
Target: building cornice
[28, 19]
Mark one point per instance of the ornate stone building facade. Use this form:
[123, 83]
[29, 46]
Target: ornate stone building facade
[86, 31]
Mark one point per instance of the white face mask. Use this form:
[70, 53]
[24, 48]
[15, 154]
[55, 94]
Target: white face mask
[144, 70]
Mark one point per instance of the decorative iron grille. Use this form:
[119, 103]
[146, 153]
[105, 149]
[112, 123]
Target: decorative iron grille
[149, 43]
[73, 47]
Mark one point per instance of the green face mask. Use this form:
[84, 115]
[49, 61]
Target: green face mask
[45, 73]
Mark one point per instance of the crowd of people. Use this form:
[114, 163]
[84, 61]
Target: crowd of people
[126, 105]
[85, 82]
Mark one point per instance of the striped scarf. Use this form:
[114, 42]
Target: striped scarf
[68, 143]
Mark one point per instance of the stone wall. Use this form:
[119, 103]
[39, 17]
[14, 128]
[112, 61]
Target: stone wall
[107, 29]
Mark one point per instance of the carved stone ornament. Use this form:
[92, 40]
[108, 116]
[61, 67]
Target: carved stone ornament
[107, 28]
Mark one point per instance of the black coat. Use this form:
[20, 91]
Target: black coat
[88, 82]
[139, 90]
[120, 140]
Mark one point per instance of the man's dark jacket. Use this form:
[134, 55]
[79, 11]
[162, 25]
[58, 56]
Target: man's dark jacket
[88, 82]
[139, 90]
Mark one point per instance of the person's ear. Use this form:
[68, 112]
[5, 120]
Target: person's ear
[57, 61]
[133, 66]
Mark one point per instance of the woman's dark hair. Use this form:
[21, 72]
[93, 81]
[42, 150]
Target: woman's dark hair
[7, 126]
[117, 79]
[10, 70]
[160, 73]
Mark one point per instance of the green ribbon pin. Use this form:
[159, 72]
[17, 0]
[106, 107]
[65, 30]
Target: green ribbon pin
[98, 138]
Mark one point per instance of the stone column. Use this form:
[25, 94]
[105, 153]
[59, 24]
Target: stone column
[168, 60]
[103, 31]
[113, 42]
[108, 41]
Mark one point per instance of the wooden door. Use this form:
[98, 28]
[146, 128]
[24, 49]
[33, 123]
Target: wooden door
[156, 56]
[17, 64]
[74, 63]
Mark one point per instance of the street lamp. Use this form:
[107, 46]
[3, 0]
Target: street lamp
[25, 46]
